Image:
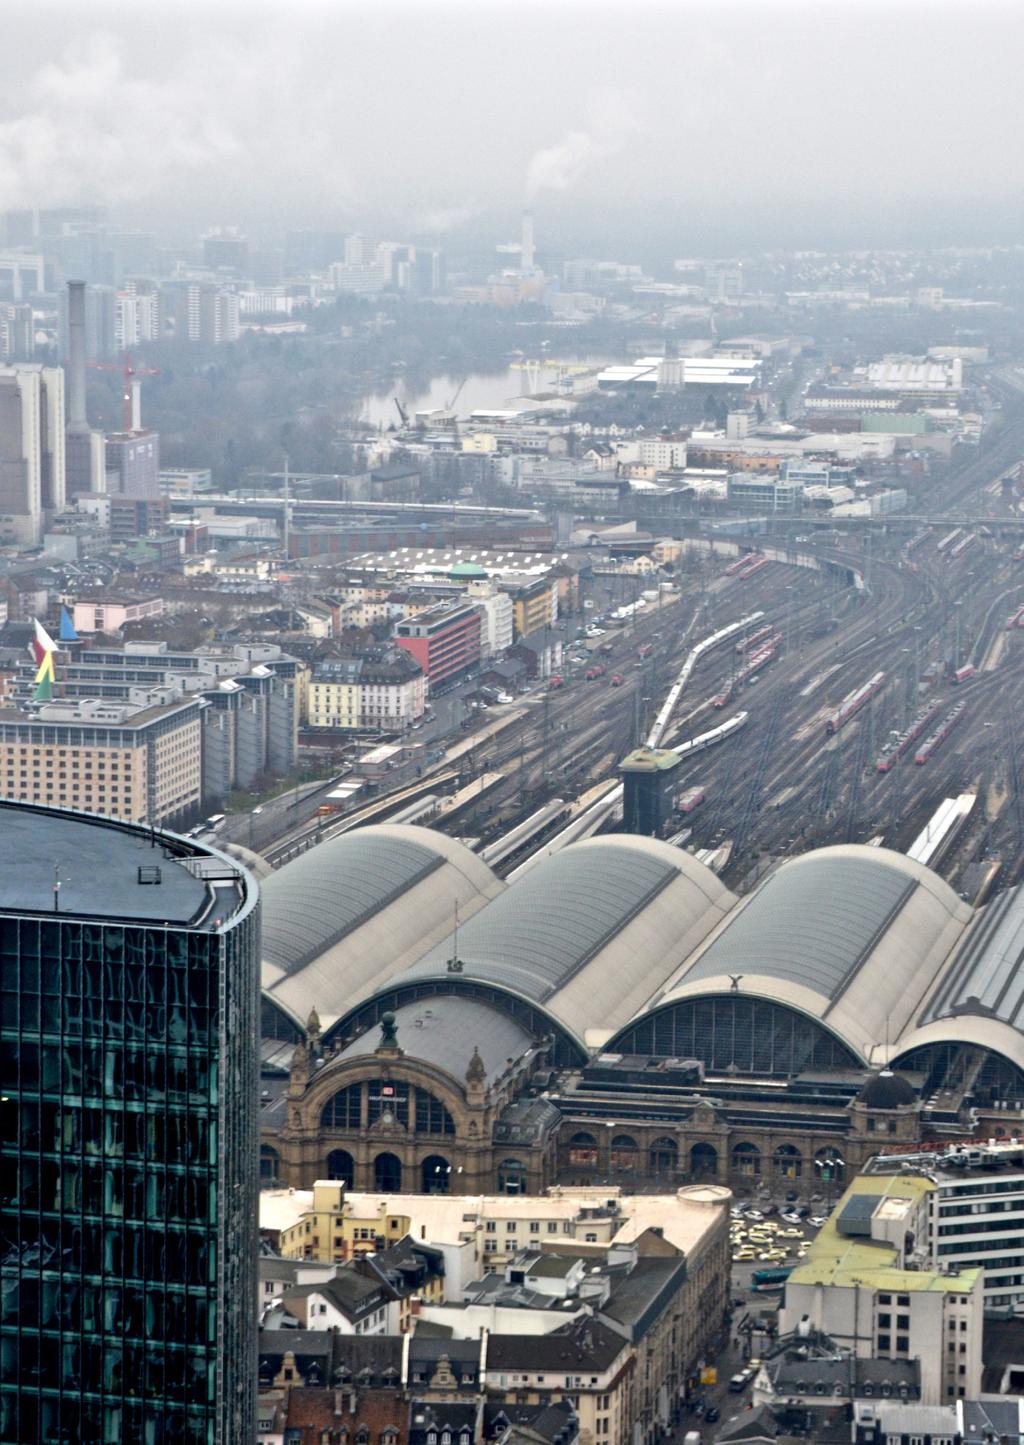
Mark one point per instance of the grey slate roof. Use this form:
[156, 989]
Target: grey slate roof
[444, 1031]
[341, 917]
[584, 1344]
[330, 890]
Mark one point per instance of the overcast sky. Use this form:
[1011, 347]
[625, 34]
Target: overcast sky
[440, 114]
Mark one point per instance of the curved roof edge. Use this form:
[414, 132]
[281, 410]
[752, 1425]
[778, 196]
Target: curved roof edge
[390, 996]
[348, 945]
[965, 1028]
[922, 921]
[792, 996]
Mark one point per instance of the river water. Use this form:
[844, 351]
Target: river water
[478, 391]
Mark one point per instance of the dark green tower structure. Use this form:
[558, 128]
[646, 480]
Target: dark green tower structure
[129, 965]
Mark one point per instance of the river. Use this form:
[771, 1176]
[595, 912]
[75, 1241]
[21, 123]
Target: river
[475, 392]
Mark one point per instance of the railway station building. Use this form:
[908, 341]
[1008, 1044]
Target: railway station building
[617, 1015]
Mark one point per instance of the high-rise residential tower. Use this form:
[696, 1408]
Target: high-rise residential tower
[32, 474]
[128, 1207]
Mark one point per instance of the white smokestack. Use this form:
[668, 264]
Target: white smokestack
[136, 405]
[77, 421]
[526, 245]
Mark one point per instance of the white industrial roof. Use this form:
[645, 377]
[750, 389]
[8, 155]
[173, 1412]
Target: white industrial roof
[590, 933]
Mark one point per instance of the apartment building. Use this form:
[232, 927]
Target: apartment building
[383, 690]
[482, 1233]
[498, 623]
[534, 606]
[109, 614]
[140, 763]
[617, 1326]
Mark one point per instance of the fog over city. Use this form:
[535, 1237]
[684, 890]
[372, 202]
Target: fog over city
[438, 115]
[511, 744]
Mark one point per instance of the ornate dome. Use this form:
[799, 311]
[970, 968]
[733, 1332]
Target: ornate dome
[886, 1090]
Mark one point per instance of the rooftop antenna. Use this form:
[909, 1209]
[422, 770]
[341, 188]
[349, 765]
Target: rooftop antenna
[455, 962]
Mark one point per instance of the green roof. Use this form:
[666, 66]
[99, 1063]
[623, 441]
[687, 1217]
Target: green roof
[650, 760]
[838, 1259]
[468, 569]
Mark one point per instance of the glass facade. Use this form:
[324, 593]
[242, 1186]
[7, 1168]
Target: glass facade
[128, 1201]
[949, 1065]
[739, 1034]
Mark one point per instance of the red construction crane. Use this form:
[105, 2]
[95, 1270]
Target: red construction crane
[129, 371]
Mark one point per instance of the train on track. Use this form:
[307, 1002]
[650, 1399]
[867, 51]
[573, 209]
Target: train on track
[507, 850]
[959, 548]
[746, 643]
[910, 734]
[419, 812]
[716, 735]
[852, 703]
[949, 540]
[668, 707]
[761, 658]
[941, 733]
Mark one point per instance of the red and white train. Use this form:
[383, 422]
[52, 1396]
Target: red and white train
[852, 703]
[940, 734]
[899, 745]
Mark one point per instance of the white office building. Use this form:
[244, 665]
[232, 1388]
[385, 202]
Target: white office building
[869, 1284]
[976, 1215]
[32, 472]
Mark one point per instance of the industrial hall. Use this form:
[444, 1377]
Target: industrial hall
[616, 1014]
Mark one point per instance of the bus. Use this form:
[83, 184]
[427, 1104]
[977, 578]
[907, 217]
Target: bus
[766, 1279]
[213, 821]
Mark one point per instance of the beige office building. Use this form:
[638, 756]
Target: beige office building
[142, 764]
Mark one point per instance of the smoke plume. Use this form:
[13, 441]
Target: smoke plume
[562, 166]
[91, 130]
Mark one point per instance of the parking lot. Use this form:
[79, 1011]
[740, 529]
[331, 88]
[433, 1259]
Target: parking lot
[766, 1235]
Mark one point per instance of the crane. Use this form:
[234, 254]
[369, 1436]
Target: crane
[402, 412]
[129, 371]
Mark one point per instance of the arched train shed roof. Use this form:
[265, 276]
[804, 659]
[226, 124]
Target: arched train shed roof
[590, 934]
[342, 918]
[853, 936]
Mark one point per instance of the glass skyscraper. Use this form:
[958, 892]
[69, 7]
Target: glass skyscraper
[129, 965]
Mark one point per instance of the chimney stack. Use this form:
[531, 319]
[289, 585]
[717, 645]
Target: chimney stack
[77, 421]
[136, 404]
[526, 245]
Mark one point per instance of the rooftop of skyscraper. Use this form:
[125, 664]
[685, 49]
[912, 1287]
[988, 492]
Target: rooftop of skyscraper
[77, 865]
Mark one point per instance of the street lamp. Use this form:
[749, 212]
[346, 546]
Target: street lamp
[828, 1167]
